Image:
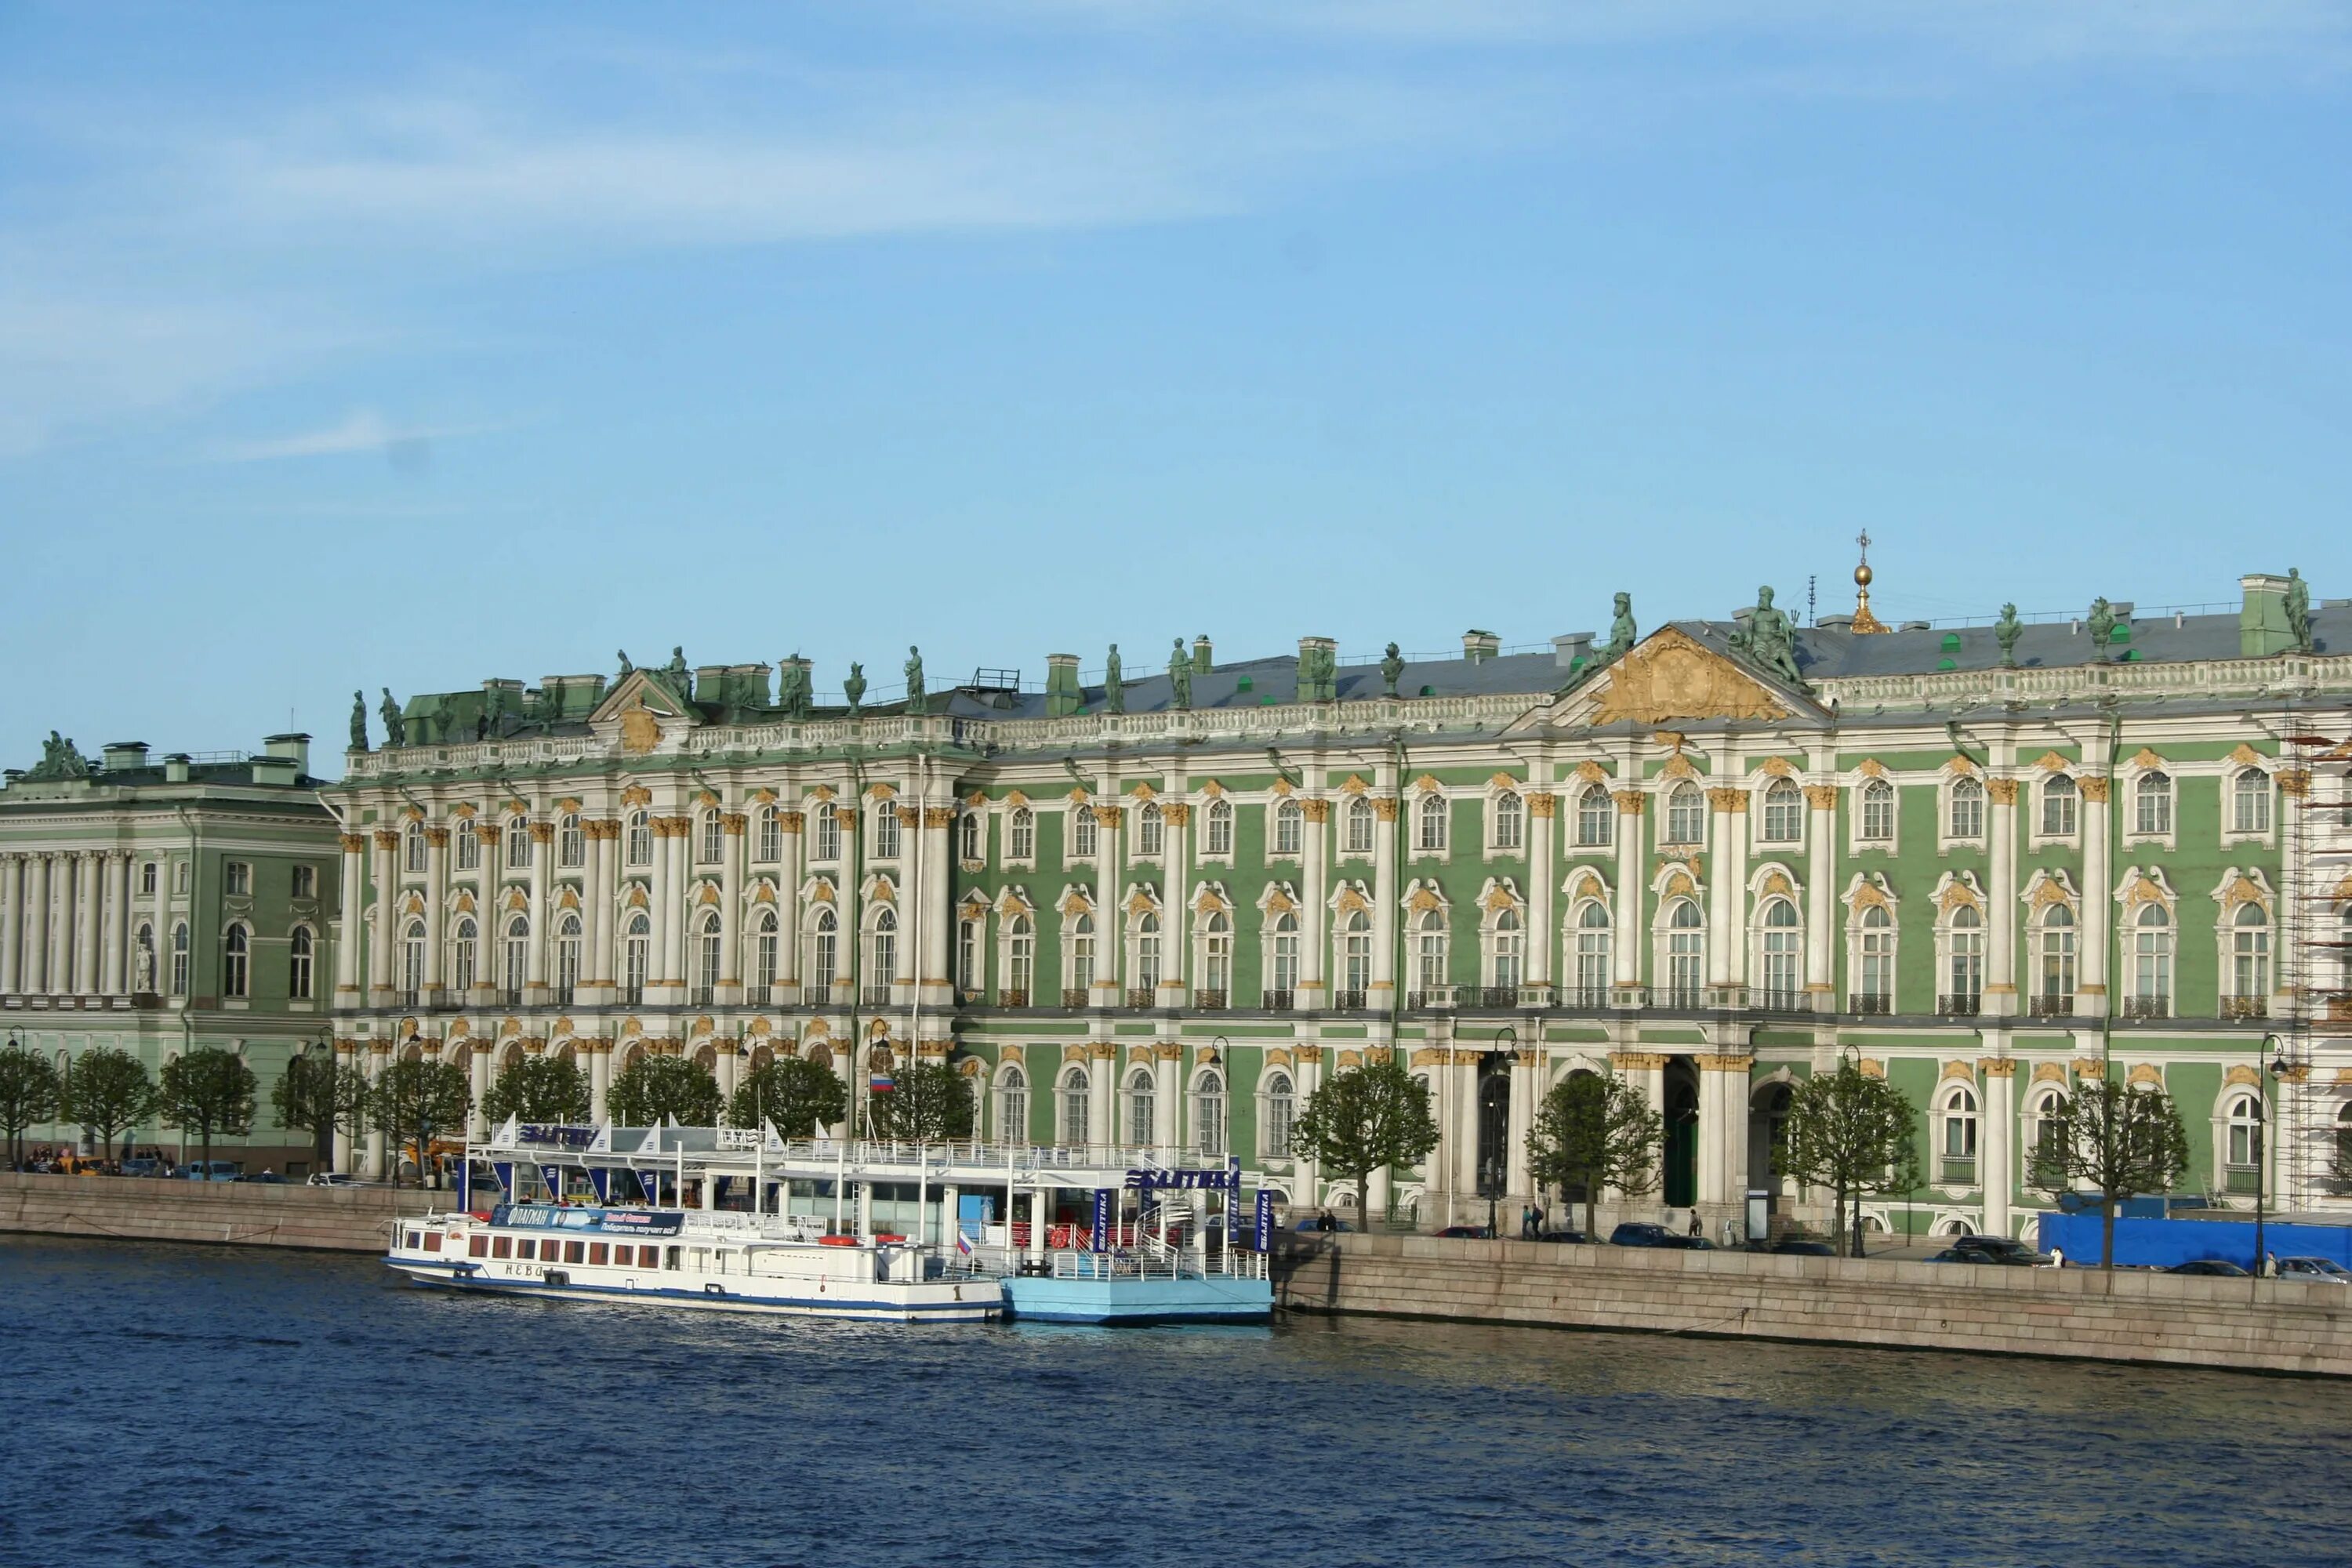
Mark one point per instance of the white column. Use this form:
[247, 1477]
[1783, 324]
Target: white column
[1632, 940]
[2001, 920]
[1722, 926]
[437, 905]
[380, 971]
[1167, 1099]
[596, 962]
[1543, 875]
[115, 982]
[1731, 861]
[1999, 1172]
[788, 910]
[61, 961]
[668, 892]
[535, 950]
[730, 911]
[1820, 896]
[1175, 892]
[599, 1078]
[2098, 901]
[1722, 1127]
[38, 926]
[935, 914]
[1385, 913]
[1524, 1093]
[348, 887]
[379, 1056]
[89, 908]
[12, 897]
[1315, 897]
[477, 1126]
[1108, 897]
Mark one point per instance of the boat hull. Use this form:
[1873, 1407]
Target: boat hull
[1130, 1302]
[971, 1301]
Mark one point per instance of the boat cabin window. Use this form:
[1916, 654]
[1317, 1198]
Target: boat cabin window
[672, 1263]
[597, 1252]
[703, 1260]
[572, 1251]
[432, 1241]
[414, 1241]
[502, 1247]
[477, 1247]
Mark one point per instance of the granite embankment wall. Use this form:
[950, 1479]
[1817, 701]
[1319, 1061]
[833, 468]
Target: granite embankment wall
[334, 1219]
[2275, 1326]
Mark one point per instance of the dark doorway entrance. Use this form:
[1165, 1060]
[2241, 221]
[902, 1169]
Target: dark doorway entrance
[1768, 1124]
[1682, 1132]
[1493, 1123]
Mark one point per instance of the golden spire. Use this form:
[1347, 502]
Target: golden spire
[1863, 621]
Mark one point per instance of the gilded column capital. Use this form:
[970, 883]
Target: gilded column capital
[939, 817]
[436, 838]
[353, 843]
[733, 823]
[1109, 816]
[1315, 810]
[2001, 792]
[2295, 781]
[1638, 1061]
[791, 821]
[1724, 1063]
[1631, 802]
[846, 817]
[1385, 808]
[1541, 803]
[1997, 1067]
[1726, 798]
[1821, 797]
[2095, 789]
[387, 839]
[1175, 812]
[542, 833]
[909, 816]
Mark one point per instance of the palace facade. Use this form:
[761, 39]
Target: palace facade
[1985, 861]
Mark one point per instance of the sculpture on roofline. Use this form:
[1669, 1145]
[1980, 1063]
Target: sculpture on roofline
[1114, 684]
[1179, 676]
[914, 680]
[1622, 632]
[2103, 627]
[2298, 609]
[792, 688]
[854, 686]
[626, 668]
[1392, 670]
[676, 668]
[2006, 631]
[359, 721]
[395, 728]
[1772, 642]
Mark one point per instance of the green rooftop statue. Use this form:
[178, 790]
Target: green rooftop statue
[359, 721]
[626, 668]
[676, 669]
[793, 687]
[2006, 631]
[1621, 634]
[914, 680]
[2298, 609]
[1770, 639]
[854, 686]
[1114, 684]
[1392, 670]
[395, 728]
[1180, 677]
[2103, 627]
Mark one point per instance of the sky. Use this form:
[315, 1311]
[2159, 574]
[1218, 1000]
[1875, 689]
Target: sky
[406, 346]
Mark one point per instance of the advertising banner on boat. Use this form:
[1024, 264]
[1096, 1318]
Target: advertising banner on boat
[1265, 1219]
[554, 1176]
[464, 1184]
[1102, 1218]
[599, 1178]
[504, 1170]
[561, 1137]
[1189, 1181]
[631, 1221]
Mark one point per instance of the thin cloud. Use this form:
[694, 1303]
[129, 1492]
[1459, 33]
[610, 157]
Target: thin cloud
[364, 431]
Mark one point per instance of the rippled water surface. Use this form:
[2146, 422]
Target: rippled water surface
[198, 1405]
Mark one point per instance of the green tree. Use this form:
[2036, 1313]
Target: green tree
[539, 1090]
[1365, 1120]
[653, 1088]
[1596, 1132]
[320, 1096]
[2117, 1138]
[108, 1093]
[793, 1093]
[930, 1103]
[209, 1092]
[420, 1100]
[28, 1094]
[1853, 1133]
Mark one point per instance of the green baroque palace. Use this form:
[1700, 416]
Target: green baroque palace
[158, 907]
[1157, 912]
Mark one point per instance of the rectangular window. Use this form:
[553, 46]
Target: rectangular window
[1082, 832]
[597, 1252]
[237, 878]
[147, 878]
[572, 1250]
[469, 847]
[827, 845]
[306, 881]
[180, 878]
[477, 1247]
[502, 1247]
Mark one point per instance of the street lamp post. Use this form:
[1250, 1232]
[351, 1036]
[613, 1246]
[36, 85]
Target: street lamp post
[1496, 1169]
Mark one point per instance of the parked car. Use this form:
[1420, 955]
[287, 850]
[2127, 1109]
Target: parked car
[269, 1177]
[144, 1165]
[1471, 1232]
[1638, 1233]
[209, 1170]
[1569, 1236]
[2000, 1250]
[1318, 1223]
[333, 1179]
[1800, 1246]
[2315, 1270]
[2212, 1267]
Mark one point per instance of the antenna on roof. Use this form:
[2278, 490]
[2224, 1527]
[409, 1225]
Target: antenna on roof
[1813, 583]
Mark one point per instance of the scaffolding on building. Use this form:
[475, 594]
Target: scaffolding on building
[2315, 1041]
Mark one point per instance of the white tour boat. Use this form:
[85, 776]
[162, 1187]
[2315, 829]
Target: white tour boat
[711, 1259]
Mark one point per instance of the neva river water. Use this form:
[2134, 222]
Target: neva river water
[192, 1405]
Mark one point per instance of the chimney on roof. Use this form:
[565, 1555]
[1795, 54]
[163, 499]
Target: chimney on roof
[176, 768]
[122, 756]
[1063, 696]
[274, 770]
[1572, 650]
[1203, 655]
[2263, 628]
[295, 747]
[1478, 647]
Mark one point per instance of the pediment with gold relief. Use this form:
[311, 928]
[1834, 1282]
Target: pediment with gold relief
[1671, 675]
[640, 713]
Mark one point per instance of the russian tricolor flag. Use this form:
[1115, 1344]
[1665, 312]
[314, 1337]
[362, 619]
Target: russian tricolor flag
[881, 1083]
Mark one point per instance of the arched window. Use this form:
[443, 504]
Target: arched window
[1685, 814]
[469, 845]
[1596, 818]
[1020, 961]
[1147, 952]
[1209, 1114]
[1151, 829]
[1355, 959]
[1021, 835]
[709, 941]
[1968, 808]
[826, 843]
[519, 842]
[413, 839]
[236, 966]
[768, 835]
[641, 839]
[298, 965]
[2055, 991]
[1875, 966]
[518, 956]
[1288, 827]
[1510, 821]
[2042, 1135]
[2152, 804]
[567, 955]
[763, 956]
[1219, 836]
[1216, 960]
[1685, 953]
[883, 968]
[1282, 961]
[886, 830]
[1784, 955]
[1012, 1104]
[971, 933]
[2060, 801]
[180, 959]
[2250, 797]
[1076, 1127]
[1084, 841]
[636, 943]
[1877, 812]
[1784, 812]
[971, 829]
[1433, 818]
[825, 951]
[411, 962]
[1593, 953]
[1955, 1144]
[1142, 1130]
[1510, 958]
[1082, 960]
[1429, 953]
[2245, 1144]
[710, 839]
[1360, 820]
[571, 843]
[2151, 962]
[1274, 1122]
[1964, 993]
[462, 974]
[2250, 954]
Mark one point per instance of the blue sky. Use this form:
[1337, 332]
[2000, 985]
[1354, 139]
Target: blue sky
[356, 346]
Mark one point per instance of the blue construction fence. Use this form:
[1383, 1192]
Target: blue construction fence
[2161, 1243]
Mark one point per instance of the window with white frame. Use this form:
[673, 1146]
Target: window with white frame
[238, 878]
[1507, 961]
[1020, 962]
[300, 958]
[236, 966]
[1510, 821]
[1217, 955]
[1082, 953]
[2055, 965]
[2060, 806]
[1359, 822]
[567, 955]
[768, 835]
[764, 955]
[1142, 1129]
[518, 955]
[1021, 835]
[1965, 808]
[1784, 954]
[1217, 838]
[1083, 842]
[1209, 1114]
[2152, 804]
[885, 831]
[1150, 830]
[1431, 818]
[412, 839]
[1874, 960]
[1956, 1141]
[824, 951]
[636, 951]
[571, 843]
[465, 953]
[1356, 956]
[1281, 1110]
[971, 829]
[1282, 957]
[1074, 1096]
[2250, 953]
[1012, 1104]
[180, 959]
[519, 843]
[2245, 1142]
[1685, 953]
[2042, 1125]
[1964, 961]
[306, 881]
[1429, 951]
[1593, 975]
[180, 878]
[1596, 818]
[1289, 826]
[147, 880]
[882, 968]
[1147, 952]
[969, 934]
[2151, 940]
[1685, 814]
[412, 958]
[709, 943]
[1877, 812]
[2250, 801]
[469, 845]
[1784, 812]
